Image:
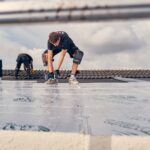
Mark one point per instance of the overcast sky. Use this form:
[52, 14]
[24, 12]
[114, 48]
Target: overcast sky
[107, 45]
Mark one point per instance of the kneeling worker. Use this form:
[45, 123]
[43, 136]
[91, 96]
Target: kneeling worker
[28, 64]
[60, 42]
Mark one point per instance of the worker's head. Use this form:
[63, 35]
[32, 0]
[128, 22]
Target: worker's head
[54, 38]
[45, 57]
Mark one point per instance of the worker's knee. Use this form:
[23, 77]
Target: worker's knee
[77, 57]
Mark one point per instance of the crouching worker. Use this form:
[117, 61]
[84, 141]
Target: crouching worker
[60, 42]
[28, 64]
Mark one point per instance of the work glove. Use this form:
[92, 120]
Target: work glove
[51, 78]
[50, 75]
[57, 74]
[77, 72]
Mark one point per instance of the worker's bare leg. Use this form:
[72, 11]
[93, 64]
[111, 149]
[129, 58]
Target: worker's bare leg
[74, 68]
[72, 79]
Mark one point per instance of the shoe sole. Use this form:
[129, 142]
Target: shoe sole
[73, 83]
[51, 82]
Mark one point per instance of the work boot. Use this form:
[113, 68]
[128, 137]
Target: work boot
[73, 80]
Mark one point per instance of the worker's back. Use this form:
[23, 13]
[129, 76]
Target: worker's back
[24, 58]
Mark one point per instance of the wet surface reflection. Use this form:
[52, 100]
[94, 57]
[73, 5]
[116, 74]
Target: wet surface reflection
[94, 108]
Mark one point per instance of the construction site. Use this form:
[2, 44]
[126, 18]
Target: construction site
[107, 110]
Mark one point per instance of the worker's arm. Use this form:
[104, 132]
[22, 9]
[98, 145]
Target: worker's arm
[50, 61]
[61, 58]
[32, 69]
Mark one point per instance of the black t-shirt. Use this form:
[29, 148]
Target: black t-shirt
[24, 58]
[65, 43]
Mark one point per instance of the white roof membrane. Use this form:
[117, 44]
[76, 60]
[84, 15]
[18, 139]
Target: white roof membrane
[94, 108]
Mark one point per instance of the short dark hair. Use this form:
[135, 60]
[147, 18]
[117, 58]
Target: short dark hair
[53, 37]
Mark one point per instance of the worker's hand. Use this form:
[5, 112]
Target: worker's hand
[77, 72]
[33, 72]
[50, 75]
[57, 74]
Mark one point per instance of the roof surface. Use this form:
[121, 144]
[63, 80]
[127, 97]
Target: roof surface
[83, 75]
[95, 108]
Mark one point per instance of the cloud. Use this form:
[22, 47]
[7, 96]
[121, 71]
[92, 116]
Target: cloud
[105, 44]
[114, 39]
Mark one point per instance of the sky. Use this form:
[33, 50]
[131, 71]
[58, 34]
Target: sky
[107, 45]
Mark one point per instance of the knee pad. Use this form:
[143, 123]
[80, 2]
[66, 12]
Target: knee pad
[77, 57]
